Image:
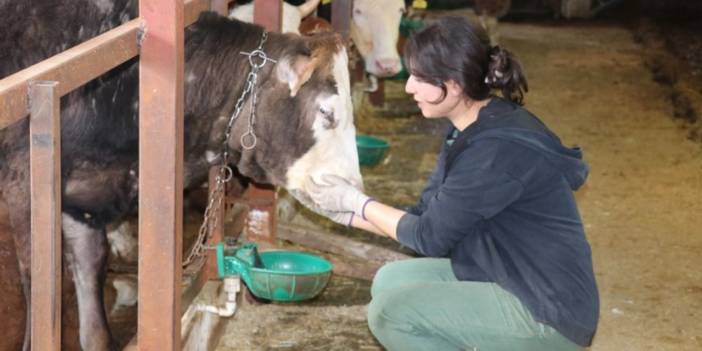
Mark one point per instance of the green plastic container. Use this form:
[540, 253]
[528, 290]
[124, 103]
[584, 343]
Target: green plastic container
[371, 150]
[286, 275]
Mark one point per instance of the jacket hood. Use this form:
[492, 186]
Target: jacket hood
[568, 160]
[505, 120]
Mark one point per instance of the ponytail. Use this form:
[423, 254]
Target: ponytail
[505, 74]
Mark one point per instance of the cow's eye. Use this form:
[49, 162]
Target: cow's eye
[357, 12]
[329, 121]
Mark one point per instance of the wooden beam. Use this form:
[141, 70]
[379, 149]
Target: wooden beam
[79, 64]
[337, 244]
[161, 68]
[45, 194]
[72, 68]
[353, 268]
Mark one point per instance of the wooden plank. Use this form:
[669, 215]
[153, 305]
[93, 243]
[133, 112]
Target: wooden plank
[72, 68]
[78, 65]
[341, 16]
[269, 14]
[353, 268]
[45, 177]
[337, 244]
[160, 175]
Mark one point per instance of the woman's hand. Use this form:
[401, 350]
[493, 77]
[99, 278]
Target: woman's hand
[343, 218]
[336, 194]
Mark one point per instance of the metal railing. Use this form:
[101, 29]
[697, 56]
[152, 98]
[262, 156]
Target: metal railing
[36, 91]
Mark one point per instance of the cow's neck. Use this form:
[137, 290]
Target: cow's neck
[214, 83]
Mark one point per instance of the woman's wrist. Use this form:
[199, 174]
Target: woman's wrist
[363, 208]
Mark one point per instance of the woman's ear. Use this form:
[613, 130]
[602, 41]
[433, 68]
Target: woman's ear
[453, 89]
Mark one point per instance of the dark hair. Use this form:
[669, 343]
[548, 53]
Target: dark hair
[454, 49]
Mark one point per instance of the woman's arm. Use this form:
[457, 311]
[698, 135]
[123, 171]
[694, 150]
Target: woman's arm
[380, 219]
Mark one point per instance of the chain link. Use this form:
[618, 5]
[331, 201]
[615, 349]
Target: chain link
[257, 59]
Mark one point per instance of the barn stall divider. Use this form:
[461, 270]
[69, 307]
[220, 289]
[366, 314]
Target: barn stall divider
[157, 38]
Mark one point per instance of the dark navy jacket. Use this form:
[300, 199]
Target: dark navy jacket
[500, 205]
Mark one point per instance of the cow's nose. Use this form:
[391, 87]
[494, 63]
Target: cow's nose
[388, 66]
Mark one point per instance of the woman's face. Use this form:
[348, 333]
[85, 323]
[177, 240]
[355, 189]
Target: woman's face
[426, 95]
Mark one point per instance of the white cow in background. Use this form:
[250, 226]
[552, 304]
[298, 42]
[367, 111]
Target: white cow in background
[292, 15]
[375, 29]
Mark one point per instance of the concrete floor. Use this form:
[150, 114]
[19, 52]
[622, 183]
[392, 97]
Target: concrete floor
[641, 205]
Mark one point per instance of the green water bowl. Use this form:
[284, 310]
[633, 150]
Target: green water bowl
[371, 150]
[287, 275]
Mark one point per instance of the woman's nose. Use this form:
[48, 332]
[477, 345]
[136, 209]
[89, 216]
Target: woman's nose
[409, 86]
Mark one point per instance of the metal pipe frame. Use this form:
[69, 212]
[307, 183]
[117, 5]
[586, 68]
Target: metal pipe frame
[45, 194]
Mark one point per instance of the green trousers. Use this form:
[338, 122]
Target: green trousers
[418, 304]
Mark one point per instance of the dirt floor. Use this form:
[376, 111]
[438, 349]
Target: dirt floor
[642, 205]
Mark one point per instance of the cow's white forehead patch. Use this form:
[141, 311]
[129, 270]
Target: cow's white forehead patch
[334, 151]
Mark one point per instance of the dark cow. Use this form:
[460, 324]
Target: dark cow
[304, 127]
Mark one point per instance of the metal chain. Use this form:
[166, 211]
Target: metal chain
[257, 59]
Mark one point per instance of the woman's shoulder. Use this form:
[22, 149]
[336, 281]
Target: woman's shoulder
[501, 113]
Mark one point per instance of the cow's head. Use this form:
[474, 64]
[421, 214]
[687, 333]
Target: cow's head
[375, 28]
[304, 120]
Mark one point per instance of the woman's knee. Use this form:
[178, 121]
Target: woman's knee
[399, 274]
[383, 314]
[375, 310]
[387, 277]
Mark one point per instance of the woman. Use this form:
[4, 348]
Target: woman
[507, 264]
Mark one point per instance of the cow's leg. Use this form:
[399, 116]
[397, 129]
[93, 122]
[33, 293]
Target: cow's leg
[85, 251]
[21, 234]
[13, 302]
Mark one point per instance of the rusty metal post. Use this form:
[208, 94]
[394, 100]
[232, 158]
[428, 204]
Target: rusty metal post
[45, 195]
[215, 234]
[269, 14]
[160, 175]
[341, 16]
[261, 221]
[377, 98]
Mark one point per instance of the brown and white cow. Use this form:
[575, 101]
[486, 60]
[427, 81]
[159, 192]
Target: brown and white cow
[304, 127]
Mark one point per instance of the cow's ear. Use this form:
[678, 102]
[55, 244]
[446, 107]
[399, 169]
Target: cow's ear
[296, 71]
